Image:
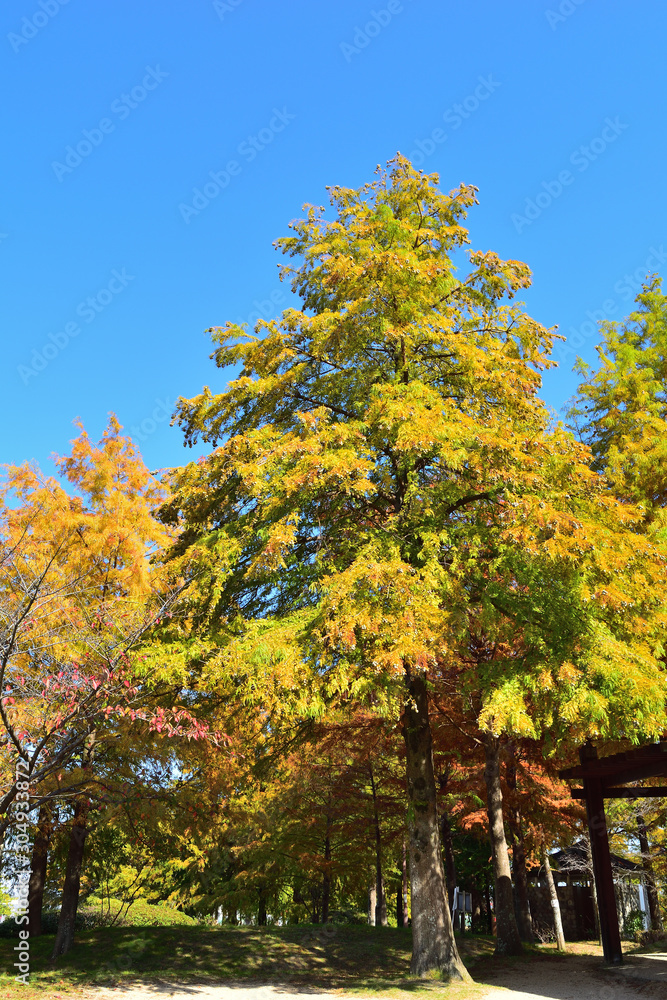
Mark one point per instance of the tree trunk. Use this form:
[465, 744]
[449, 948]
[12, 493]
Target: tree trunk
[372, 909]
[380, 901]
[70, 897]
[261, 908]
[404, 883]
[555, 904]
[649, 875]
[326, 878]
[40, 853]
[594, 891]
[450, 862]
[508, 941]
[433, 945]
[518, 854]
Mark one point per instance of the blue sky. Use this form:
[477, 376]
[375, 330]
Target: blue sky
[116, 113]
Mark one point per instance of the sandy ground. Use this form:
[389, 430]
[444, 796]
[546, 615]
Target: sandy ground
[573, 978]
[582, 978]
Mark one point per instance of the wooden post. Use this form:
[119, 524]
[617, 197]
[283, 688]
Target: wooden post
[601, 856]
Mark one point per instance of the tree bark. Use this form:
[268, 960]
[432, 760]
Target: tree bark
[39, 858]
[649, 875]
[450, 861]
[508, 941]
[404, 883]
[555, 904]
[518, 854]
[70, 897]
[433, 945]
[489, 915]
[380, 901]
[594, 891]
[261, 907]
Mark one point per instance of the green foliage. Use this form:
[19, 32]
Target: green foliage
[387, 490]
[101, 912]
[109, 912]
[633, 924]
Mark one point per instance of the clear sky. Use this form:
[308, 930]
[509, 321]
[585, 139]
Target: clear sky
[117, 112]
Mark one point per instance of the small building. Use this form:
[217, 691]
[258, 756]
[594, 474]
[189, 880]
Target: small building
[573, 874]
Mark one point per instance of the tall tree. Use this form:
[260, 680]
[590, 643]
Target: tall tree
[378, 445]
[78, 597]
[621, 406]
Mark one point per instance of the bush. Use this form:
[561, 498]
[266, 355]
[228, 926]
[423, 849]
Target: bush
[91, 915]
[347, 917]
[138, 914]
[633, 925]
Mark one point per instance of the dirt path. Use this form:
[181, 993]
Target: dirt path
[579, 977]
[575, 977]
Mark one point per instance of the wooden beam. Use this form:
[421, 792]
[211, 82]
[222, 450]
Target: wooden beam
[638, 772]
[604, 879]
[650, 760]
[647, 792]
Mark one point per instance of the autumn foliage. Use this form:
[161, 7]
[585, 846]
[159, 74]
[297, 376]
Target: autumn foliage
[389, 604]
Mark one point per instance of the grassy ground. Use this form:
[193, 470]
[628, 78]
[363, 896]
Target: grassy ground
[354, 959]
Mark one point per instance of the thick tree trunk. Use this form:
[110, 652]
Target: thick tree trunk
[433, 945]
[40, 853]
[380, 901]
[555, 903]
[518, 855]
[649, 875]
[70, 897]
[508, 941]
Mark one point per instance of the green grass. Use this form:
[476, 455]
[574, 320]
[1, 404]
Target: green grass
[352, 958]
[355, 959]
